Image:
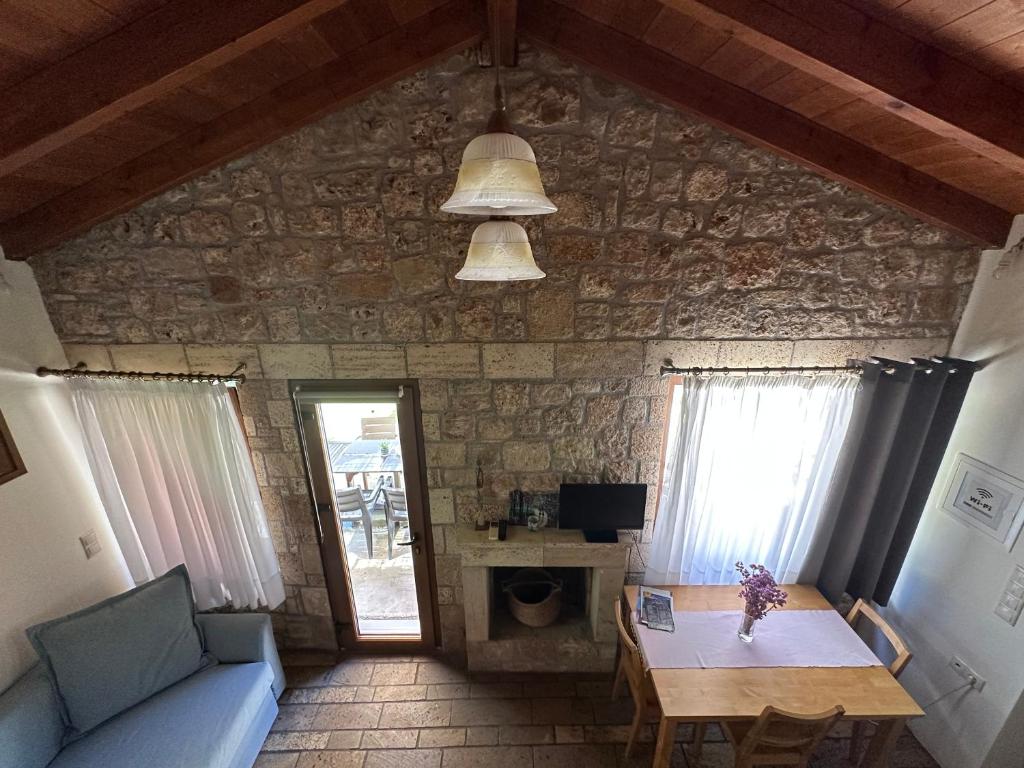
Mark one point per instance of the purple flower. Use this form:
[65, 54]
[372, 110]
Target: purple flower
[759, 590]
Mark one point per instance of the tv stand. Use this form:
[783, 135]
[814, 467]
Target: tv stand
[601, 537]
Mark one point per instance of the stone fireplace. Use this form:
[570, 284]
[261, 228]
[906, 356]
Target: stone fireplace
[582, 639]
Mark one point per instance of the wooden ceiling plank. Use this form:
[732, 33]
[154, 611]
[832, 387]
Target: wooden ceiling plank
[684, 38]
[760, 121]
[501, 21]
[449, 29]
[134, 65]
[820, 101]
[918, 81]
[984, 26]
[354, 24]
[309, 46]
[635, 17]
[733, 60]
[791, 87]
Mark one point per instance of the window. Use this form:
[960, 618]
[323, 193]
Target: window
[747, 464]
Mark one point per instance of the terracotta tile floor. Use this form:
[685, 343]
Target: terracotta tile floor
[418, 712]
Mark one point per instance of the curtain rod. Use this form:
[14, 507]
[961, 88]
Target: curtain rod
[889, 367]
[667, 369]
[237, 376]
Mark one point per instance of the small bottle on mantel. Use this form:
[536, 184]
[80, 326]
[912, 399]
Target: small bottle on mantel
[482, 523]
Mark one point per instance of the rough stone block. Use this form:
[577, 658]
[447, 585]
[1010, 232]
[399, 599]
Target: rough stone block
[904, 349]
[684, 354]
[444, 361]
[526, 456]
[296, 361]
[368, 361]
[224, 358]
[830, 351]
[599, 359]
[752, 354]
[95, 356]
[446, 454]
[164, 358]
[519, 361]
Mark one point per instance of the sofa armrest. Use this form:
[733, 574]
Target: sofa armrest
[238, 638]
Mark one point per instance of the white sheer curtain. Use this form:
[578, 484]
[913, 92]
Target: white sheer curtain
[174, 474]
[748, 464]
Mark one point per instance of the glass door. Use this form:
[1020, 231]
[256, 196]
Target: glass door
[363, 452]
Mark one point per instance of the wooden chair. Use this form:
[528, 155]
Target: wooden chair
[777, 737]
[396, 513]
[903, 656]
[631, 670]
[351, 507]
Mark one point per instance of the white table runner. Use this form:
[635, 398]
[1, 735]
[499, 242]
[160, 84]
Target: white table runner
[707, 639]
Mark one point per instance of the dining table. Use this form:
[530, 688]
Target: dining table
[692, 689]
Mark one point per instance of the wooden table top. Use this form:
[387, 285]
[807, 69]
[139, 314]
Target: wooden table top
[742, 693]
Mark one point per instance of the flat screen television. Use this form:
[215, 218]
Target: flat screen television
[602, 509]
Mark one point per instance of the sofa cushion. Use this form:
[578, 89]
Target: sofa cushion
[30, 724]
[121, 651]
[218, 718]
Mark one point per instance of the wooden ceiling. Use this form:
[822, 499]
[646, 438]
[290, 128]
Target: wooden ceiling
[109, 102]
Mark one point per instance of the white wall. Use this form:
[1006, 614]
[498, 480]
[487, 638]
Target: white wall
[954, 575]
[43, 569]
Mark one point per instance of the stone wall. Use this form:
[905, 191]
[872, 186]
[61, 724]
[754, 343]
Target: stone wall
[324, 255]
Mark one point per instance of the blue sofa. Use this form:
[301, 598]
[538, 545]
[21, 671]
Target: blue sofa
[217, 717]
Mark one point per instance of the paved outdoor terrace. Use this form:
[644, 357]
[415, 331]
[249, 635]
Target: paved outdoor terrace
[418, 712]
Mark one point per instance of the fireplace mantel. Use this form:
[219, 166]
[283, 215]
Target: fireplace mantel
[587, 648]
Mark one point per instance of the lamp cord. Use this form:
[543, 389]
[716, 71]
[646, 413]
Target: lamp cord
[969, 684]
[636, 548]
[496, 54]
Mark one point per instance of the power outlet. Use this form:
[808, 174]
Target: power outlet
[960, 667]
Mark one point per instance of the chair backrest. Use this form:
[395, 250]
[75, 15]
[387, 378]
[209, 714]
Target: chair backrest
[635, 663]
[784, 738]
[396, 498]
[350, 500]
[903, 654]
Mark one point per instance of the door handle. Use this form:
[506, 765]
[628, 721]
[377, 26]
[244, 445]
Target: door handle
[412, 540]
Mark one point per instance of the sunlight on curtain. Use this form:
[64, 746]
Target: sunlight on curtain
[175, 476]
[748, 464]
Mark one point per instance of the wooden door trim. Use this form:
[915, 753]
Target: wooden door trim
[338, 589]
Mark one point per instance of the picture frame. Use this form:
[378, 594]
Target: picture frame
[11, 464]
[986, 499]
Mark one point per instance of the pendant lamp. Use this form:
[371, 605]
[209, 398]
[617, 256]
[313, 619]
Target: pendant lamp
[499, 175]
[499, 250]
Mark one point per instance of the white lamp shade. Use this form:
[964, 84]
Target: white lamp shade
[498, 177]
[499, 250]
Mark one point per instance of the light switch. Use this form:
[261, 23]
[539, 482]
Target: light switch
[1011, 602]
[91, 544]
[1007, 614]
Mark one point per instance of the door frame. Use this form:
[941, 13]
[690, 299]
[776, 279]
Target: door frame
[328, 529]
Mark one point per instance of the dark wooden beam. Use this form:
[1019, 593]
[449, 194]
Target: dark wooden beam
[501, 20]
[760, 121]
[453, 27]
[133, 66]
[882, 65]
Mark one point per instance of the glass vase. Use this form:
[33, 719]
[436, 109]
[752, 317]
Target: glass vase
[746, 630]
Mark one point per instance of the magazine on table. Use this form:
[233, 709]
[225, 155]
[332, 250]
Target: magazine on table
[654, 608]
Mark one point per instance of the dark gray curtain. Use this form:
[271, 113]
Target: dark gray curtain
[902, 421]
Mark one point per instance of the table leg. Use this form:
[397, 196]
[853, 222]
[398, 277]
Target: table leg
[666, 742]
[879, 751]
